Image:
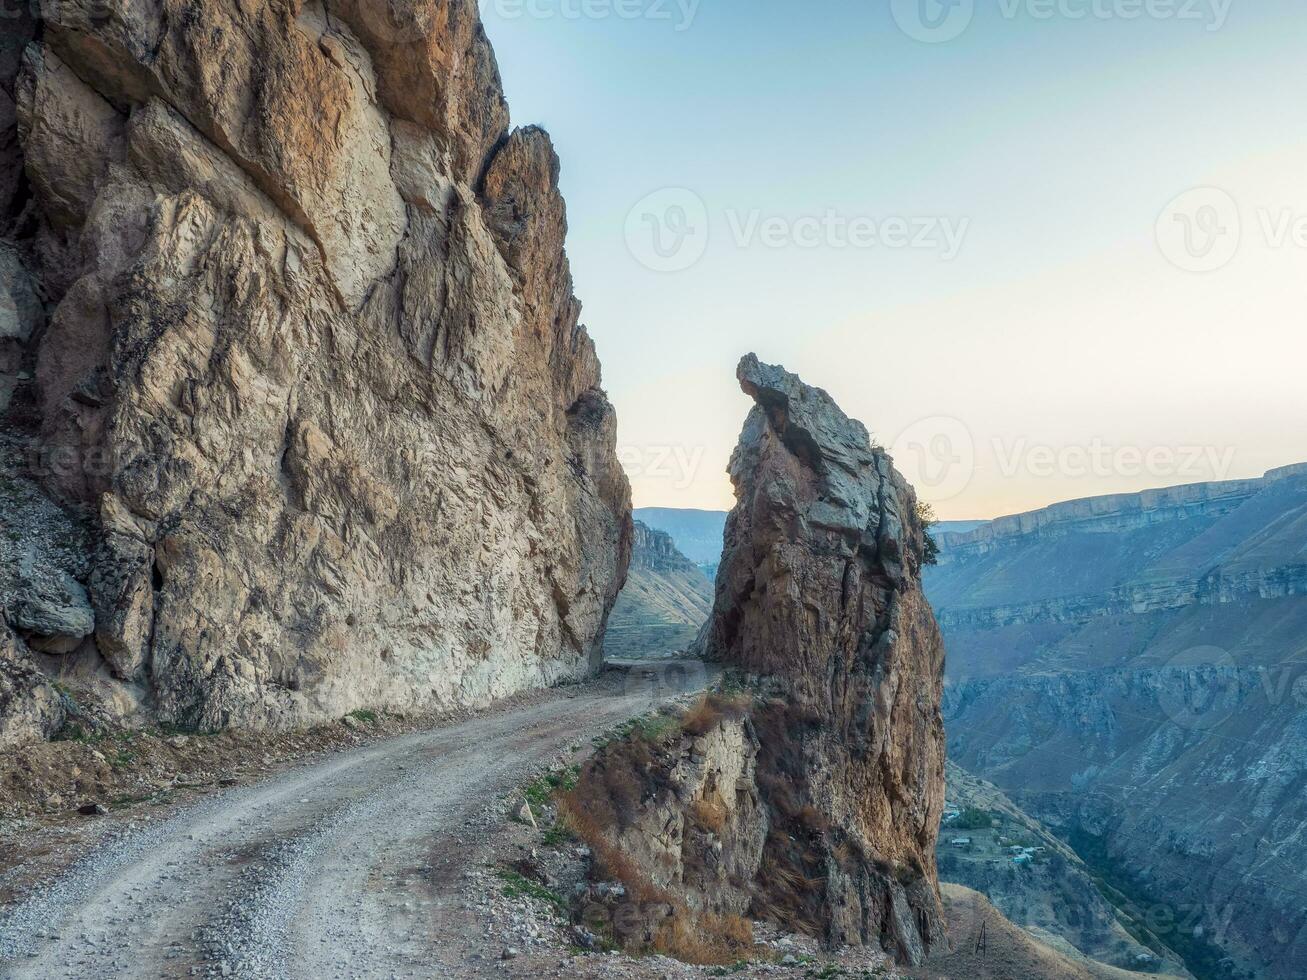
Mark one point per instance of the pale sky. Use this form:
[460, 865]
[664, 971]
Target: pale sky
[978, 245]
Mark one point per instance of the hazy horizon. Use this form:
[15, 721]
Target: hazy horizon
[1031, 252]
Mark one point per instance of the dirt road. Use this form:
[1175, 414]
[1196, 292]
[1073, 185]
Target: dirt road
[342, 868]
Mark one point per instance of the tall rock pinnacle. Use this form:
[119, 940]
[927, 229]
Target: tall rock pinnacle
[819, 600]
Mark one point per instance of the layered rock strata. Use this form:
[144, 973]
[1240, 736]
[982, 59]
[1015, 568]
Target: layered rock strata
[1130, 670]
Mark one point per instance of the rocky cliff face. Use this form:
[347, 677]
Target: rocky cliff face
[298, 414]
[1203, 545]
[665, 602]
[816, 800]
[1130, 671]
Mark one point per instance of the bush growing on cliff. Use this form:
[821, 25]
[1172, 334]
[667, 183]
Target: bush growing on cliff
[929, 547]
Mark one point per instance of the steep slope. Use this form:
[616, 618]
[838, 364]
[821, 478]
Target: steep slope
[290, 353]
[1040, 884]
[814, 798]
[1130, 670]
[665, 602]
[986, 946]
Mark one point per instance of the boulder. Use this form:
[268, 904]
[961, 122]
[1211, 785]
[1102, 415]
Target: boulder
[30, 708]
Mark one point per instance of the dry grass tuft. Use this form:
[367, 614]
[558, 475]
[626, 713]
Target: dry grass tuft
[812, 819]
[701, 718]
[710, 813]
[712, 709]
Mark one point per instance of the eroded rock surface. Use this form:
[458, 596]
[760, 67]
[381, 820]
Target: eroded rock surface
[287, 327]
[816, 799]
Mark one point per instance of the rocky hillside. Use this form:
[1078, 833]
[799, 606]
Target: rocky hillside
[665, 602]
[1129, 670]
[990, 845]
[986, 946]
[814, 797]
[298, 416]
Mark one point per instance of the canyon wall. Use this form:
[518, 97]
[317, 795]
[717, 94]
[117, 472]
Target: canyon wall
[1131, 671]
[298, 416]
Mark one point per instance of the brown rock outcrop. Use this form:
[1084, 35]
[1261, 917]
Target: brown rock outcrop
[816, 800]
[306, 368]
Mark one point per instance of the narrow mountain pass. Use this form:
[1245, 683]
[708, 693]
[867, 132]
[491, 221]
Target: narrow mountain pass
[340, 868]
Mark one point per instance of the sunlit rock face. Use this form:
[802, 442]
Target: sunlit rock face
[288, 342]
[819, 599]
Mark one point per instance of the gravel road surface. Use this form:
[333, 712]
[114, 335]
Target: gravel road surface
[342, 868]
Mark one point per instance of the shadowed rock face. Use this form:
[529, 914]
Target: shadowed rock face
[305, 365]
[819, 599]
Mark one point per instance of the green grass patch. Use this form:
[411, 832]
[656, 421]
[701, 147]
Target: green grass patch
[364, 715]
[543, 790]
[557, 837]
[651, 728]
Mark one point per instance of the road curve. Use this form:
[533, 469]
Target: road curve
[342, 868]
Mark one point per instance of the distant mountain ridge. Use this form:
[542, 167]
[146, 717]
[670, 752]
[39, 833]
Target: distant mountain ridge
[664, 603]
[697, 533]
